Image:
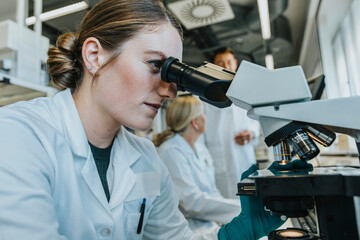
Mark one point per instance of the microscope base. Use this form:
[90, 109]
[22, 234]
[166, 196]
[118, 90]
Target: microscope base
[331, 188]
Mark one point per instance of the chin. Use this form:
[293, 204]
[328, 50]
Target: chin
[141, 126]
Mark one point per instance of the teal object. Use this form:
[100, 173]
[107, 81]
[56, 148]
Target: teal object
[292, 165]
[253, 222]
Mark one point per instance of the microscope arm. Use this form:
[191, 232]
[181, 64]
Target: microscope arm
[340, 115]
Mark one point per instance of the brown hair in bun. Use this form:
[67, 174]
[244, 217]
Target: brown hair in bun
[111, 22]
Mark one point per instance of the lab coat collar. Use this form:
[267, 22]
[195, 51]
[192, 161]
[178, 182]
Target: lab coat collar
[90, 175]
[122, 178]
[75, 134]
[182, 142]
[129, 155]
[71, 123]
[122, 157]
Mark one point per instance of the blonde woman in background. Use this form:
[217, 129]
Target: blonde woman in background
[191, 167]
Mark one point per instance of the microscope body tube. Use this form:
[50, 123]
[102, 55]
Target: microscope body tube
[184, 76]
[208, 81]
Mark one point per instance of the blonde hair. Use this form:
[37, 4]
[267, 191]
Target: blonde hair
[178, 117]
[112, 22]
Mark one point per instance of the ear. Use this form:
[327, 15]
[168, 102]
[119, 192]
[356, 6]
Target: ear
[194, 124]
[93, 55]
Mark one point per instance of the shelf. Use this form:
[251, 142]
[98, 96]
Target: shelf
[48, 90]
[11, 93]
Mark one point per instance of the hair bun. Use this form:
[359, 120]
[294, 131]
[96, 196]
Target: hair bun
[64, 62]
[67, 43]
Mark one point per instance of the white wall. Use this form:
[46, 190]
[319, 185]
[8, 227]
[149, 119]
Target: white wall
[317, 54]
[8, 10]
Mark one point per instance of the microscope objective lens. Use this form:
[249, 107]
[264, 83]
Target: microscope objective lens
[303, 145]
[282, 152]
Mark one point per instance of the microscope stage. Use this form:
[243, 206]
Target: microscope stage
[321, 181]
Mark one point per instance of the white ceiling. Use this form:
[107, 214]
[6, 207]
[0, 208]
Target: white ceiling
[295, 14]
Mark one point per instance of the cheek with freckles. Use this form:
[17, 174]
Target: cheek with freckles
[132, 85]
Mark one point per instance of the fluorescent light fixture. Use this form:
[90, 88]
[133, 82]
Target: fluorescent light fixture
[76, 7]
[264, 18]
[269, 61]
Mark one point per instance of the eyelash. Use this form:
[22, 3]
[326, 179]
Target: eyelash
[153, 64]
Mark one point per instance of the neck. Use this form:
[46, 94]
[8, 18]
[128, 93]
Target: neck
[190, 137]
[99, 130]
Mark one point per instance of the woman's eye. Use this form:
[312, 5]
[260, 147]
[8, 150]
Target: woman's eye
[156, 64]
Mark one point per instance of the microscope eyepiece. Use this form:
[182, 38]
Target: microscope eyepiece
[209, 82]
[168, 73]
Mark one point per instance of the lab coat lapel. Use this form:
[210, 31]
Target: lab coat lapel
[124, 155]
[74, 133]
[92, 179]
[70, 123]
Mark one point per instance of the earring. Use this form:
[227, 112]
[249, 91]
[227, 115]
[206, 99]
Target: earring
[90, 68]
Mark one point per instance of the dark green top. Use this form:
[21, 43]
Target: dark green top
[102, 160]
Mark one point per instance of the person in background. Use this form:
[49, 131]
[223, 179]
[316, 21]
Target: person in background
[231, 135]
[190, 166]
[69, 169]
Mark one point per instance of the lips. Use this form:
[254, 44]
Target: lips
[154, 107]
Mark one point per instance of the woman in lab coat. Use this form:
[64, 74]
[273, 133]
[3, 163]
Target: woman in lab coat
[191, 167]
[69, 169]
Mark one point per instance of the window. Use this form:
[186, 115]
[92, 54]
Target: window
[346, 45]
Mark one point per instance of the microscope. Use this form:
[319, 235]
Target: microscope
[291, 122]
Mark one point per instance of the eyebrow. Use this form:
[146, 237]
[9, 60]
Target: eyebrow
[159, 53]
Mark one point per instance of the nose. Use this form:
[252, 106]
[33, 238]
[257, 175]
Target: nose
[227, 66]
[167, 90]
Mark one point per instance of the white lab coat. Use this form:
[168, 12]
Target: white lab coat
[50, 188]
[230, 159]
[194, 181]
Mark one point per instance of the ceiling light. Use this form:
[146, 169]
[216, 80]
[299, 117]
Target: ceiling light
[264, 18]
[76, 7]
[269, 61]
[199, 13]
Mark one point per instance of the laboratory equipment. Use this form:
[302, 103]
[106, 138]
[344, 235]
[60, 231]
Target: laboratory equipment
[209, 81]
[291, 233]
[281, 101]
[23, 54]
